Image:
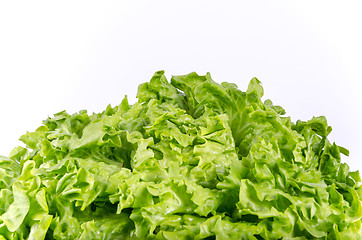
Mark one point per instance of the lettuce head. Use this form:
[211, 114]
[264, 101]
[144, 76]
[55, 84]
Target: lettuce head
[192, 159]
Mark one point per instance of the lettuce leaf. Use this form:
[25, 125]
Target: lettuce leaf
[192, 159]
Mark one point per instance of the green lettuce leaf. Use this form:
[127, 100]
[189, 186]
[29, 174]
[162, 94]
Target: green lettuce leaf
[192, 159]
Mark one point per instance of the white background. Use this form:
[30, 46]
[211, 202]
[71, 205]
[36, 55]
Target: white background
[73, 55]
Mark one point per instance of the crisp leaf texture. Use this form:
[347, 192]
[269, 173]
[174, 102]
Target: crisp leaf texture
[192, 159]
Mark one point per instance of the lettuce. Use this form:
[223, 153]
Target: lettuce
[192, 159]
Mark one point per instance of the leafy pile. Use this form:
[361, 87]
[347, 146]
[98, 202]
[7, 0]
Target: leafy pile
[192, 159]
